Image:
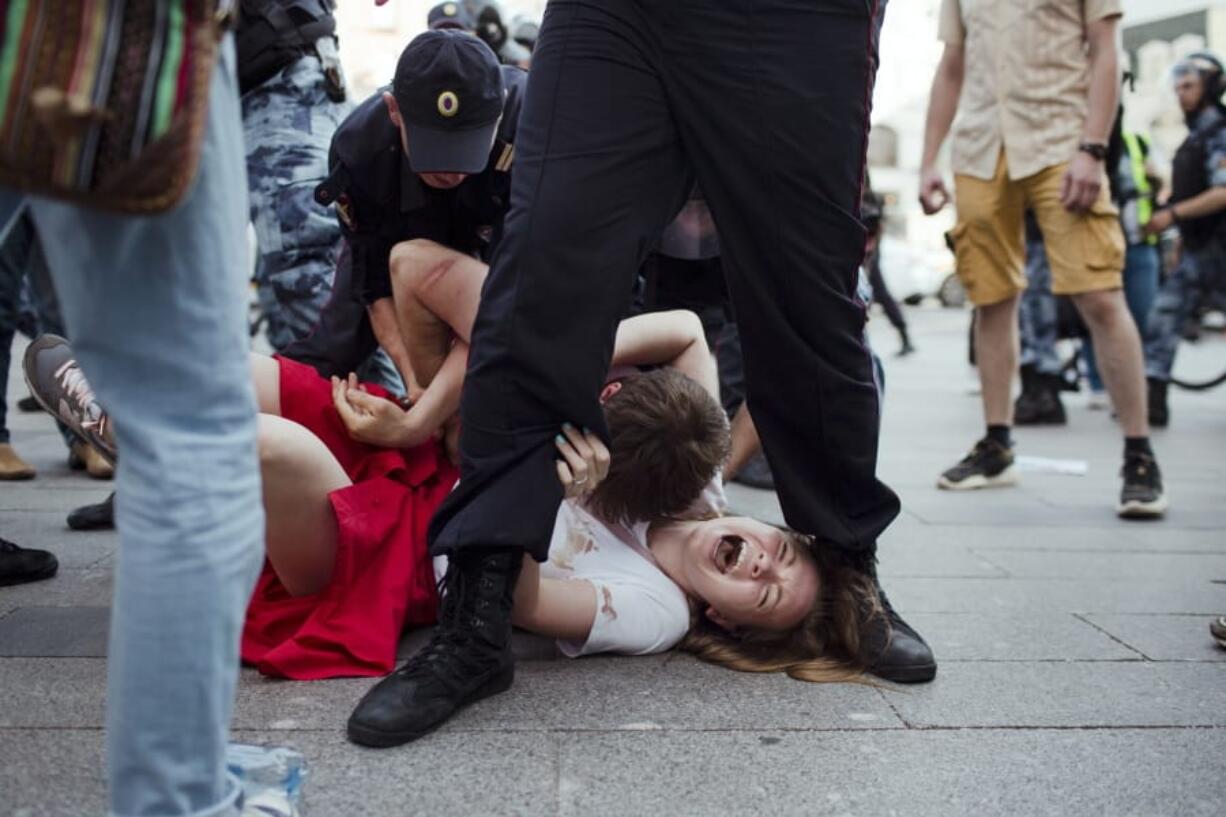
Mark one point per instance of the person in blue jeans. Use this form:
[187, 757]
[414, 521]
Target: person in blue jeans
[23, 271]
[156, 309]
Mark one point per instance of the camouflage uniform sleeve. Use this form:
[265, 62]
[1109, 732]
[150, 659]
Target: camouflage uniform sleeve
[1215, 159]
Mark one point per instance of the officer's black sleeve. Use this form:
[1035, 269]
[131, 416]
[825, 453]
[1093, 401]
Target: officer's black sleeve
[360, 224]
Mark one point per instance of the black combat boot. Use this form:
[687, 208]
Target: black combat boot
[1159, 413]
[468, 658]
[892, 649]
[1039, 403]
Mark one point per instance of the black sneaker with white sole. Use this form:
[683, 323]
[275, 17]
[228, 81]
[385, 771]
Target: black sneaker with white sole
[989, 465]
[1142, 496]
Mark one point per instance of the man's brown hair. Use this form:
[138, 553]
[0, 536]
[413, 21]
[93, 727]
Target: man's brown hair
[668, 437]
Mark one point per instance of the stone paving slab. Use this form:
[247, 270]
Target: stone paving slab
[1043, 694]
[909, 774]
[88, 587]
[944, 559]
[1039, 636]
[59, 774]
[1163, 638]
[942, 773]
[55, 632]
[1081, 539]
[594, 693]
[1020, 596]
[60, 499]
[1093, 567]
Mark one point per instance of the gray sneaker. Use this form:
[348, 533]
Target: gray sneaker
[60, 387]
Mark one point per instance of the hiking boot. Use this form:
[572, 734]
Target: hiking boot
[896, 652]
[1159, 414]
[989, 465]
[890, 647]
[100, 516]
[60, 387]
[84, 457]
[1217, 629]
[20, 565]
[756, 473]
[1039, 403]
[468, 658]
[12, 466]
[1142, 496]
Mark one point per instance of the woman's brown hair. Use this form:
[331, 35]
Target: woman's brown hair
[824, 648]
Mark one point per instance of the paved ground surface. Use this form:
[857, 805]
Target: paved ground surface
[1077, 676]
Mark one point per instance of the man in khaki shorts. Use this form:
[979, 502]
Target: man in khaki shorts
[1034, 84]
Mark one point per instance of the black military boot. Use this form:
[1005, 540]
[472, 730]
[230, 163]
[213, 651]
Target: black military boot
[468, 658]
[891, 648]
[1039, 403]
[1159, 413]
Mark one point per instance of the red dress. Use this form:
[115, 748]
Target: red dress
[383, 579]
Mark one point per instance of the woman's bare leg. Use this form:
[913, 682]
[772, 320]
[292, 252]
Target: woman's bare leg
[437, 291]
[266, 377]
[299, 472]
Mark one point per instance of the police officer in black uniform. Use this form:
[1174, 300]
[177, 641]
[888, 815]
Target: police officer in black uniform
[450, 100]
[766, 106]
[1198, 207]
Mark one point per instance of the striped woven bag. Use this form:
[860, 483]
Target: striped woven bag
[103, 102]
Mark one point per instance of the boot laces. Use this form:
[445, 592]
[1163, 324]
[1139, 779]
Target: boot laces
[76, 387]
[450, 656]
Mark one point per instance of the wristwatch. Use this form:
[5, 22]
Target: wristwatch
[1096, 149]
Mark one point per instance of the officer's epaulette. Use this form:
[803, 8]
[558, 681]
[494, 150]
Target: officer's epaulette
[504, 155]
[330, 189]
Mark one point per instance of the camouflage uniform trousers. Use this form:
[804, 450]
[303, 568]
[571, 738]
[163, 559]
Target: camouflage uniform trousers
[288, 124]
[1199, 279]
[1038, 314]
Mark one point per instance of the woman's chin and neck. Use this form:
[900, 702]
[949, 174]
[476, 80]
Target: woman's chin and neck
[667, 542]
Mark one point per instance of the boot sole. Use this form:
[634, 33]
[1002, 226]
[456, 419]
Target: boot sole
[918, 674]
[1004, 479]
[1055, 420]
[36, 577]
[1143, 510]
[379, 739]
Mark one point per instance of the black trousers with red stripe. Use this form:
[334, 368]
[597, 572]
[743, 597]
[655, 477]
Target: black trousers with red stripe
[765, 103]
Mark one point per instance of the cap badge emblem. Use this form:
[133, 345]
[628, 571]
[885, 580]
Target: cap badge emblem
[448, 104]
[450, 10]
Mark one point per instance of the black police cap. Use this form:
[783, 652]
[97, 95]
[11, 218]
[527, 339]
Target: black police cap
[450, 15]
[449, 89]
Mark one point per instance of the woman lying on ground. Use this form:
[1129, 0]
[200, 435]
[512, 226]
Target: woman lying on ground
[347, 565]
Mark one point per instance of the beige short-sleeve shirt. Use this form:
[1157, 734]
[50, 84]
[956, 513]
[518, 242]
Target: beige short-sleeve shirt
[1027, 80]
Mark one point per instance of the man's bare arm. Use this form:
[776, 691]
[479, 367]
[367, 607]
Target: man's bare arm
[674, 339]
[387, 331]
[1103, 39]
[942, 107]
[1084, 177]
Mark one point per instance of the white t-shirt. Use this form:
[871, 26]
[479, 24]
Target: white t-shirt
[639, 610]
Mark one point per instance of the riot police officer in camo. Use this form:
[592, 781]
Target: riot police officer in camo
[293, 97]
[1198, 207]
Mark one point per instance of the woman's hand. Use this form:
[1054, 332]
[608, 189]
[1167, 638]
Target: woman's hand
[584, 461]
[370, 419]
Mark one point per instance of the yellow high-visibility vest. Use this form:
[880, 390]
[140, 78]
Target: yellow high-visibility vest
[1145, 201]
